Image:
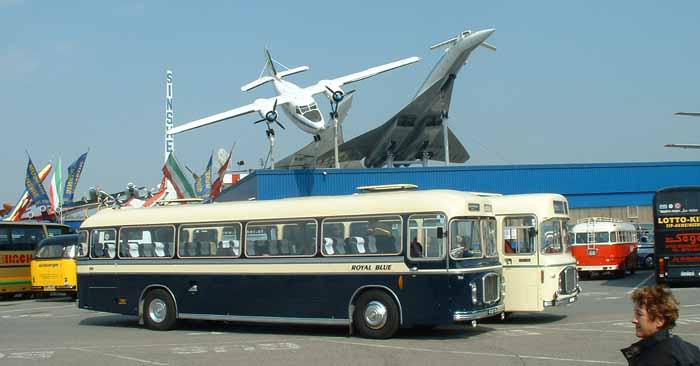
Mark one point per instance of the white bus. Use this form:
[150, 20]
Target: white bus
[374, 261]
[538, 267]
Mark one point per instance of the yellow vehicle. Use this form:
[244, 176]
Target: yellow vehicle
[18, 241]
[54, 264]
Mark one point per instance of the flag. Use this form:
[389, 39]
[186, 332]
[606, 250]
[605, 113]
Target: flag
[158, 195]
[202, 183]
[74, 171]
[55, 187]
[177, 178]
[15, 214]
[216, 186]
[34, 187]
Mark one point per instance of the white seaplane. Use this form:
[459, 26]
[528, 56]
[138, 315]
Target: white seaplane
[297, 102]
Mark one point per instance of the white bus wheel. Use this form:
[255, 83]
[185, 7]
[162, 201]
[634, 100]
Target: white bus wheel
[159, 310]
[376, 315]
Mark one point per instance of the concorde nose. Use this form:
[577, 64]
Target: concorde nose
[482, 35]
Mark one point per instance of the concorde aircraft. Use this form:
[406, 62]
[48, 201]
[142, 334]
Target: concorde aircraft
[298, 102]
[416, 131]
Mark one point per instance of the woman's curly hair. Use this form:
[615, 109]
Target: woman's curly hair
[659, 303]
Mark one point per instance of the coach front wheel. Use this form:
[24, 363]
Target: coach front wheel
[159, 310]
[376, 315]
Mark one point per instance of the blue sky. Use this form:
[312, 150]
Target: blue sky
[571, 82]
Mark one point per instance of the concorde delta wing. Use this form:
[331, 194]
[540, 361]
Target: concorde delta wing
[416, 129]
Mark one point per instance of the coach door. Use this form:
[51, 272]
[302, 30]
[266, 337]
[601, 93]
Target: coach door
[520, 261]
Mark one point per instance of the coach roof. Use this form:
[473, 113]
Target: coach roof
[453, 203]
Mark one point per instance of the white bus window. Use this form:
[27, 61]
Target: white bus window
[519, 235]
[551, 237]
[602, 237]
[83, 243]
[613, 237]
[297, 238]
[424, 241]
[147, 242]
[465, 239]
[103, 243]
[489, 230]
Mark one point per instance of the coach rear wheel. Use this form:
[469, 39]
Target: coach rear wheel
[376, 315]
[159, 310]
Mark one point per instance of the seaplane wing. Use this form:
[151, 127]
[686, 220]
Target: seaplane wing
[323, 85]
[684, 146]
[692, 114]
[261, 106]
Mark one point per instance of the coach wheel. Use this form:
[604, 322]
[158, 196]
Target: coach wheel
[376, 315]
[159, 310]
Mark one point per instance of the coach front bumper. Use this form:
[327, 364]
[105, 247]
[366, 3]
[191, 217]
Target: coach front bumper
[460, 316]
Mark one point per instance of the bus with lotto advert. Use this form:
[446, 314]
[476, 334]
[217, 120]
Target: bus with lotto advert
[677, 235]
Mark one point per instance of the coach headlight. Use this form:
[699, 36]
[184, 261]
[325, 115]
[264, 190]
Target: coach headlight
[475, 298]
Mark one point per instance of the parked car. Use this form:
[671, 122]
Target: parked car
[645, 251]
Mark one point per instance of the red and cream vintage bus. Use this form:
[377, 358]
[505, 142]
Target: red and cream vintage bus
[602, 244]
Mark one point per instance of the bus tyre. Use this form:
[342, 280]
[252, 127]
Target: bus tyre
[376, 315]
[159, 310]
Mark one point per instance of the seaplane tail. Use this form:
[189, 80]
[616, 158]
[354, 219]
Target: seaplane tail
[273, 73]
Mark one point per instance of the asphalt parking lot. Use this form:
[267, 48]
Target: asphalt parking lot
[54, 331]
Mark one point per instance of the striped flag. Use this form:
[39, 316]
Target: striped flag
[162, 192]
[219, 182]
[177, 178]
[55, 189]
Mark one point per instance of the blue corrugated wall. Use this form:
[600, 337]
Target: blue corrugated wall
[585, 185]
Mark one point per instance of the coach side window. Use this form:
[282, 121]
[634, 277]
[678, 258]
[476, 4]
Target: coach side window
[281, 239]
[103, 243]
[147, 242]
[208, 241]
[378, 235]
[426, 239]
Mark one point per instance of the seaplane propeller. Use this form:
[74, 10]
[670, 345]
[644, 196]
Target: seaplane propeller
[335, 97]
[271, 117]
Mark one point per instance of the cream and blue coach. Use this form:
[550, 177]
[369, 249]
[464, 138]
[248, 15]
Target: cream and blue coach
[375, 261]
